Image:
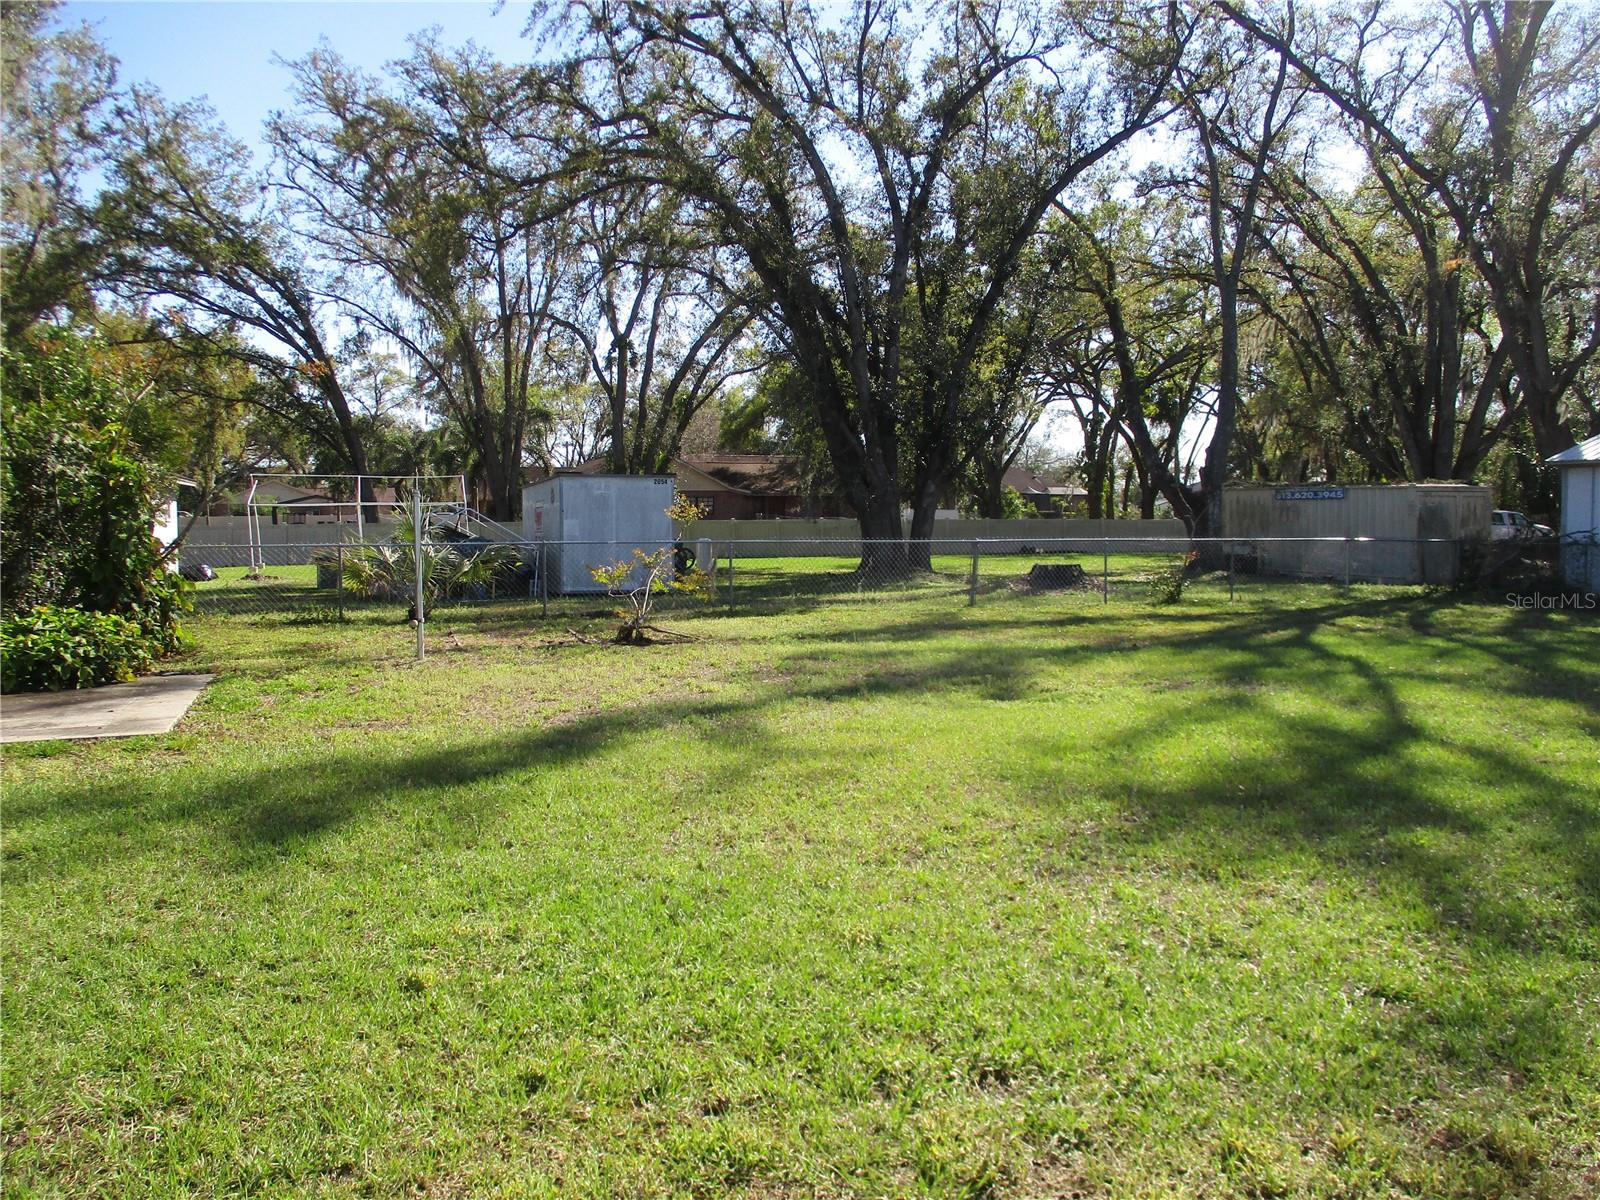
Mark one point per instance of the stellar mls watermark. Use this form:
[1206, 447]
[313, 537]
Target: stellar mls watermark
[1556, 601]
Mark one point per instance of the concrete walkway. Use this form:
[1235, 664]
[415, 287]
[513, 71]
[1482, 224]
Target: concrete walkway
[150, 705]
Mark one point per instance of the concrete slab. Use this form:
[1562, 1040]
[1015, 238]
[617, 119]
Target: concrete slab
[153, 704]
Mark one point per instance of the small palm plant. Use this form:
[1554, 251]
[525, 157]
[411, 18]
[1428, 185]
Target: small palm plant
[388, 570]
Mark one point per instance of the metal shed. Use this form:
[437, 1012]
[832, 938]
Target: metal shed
[1413, 531]
[1580, 514]
[587, 521]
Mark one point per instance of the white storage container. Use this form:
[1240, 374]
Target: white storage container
[588, 521]
[1417, 528]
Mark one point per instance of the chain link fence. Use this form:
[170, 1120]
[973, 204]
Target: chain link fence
[555, 579]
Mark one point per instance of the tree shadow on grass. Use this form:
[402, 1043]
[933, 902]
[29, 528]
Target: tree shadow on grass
[1368, 788]
[1523, 651]
[1357, 781]
[1495, 851]
[1353, 784]
[277, 805]
[1494, 854]
[270, 595]
[1363, 779]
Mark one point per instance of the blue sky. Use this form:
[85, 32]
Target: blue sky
[225, 50]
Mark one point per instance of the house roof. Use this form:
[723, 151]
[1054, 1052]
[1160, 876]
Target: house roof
[751, 474]
[591, 466]
[747, 474]
[311, 500]
[274, 491]
[1026, 483]
[1583, 454]
[284, 495]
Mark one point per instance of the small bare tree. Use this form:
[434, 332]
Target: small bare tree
[646, 575]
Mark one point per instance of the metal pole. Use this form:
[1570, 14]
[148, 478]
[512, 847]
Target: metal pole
[705, 556]
[250, 524]
[339, 583]
[1230, 572]
[1105, 572]
[416, 554]
[730, 574]
[544, 581]
[1347, 560]
[972, 584]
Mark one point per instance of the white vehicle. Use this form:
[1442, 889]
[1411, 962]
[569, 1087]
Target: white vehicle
[1505, 525]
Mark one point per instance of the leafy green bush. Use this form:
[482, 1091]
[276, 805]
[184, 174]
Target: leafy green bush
[79, 493]
[47, 649]
[1166, 584]
[1012, 505]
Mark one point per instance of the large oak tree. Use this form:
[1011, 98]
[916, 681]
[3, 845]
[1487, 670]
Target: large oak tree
[883, 179]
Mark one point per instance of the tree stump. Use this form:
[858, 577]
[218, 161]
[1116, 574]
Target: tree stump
[1044, 576]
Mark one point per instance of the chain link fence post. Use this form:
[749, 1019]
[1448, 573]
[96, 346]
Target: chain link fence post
[416, 555]
[972, 583]
[339, 582]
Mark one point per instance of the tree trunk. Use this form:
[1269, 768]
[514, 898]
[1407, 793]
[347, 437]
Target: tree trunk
[1214, 471]
[503, 493]
[991, 491]
[928, 487]
[1147, 492]
[883, 548]
[924, 511]
[619, 411]
[354, 447]
[865, 465]
[1094, 491]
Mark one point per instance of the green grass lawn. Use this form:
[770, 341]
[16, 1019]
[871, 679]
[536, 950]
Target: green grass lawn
[856, 897]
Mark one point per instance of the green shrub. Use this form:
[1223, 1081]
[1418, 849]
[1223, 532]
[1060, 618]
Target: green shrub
[79, 491]
[1166, 584]
[164, 596]
[1012, 505]
[48, 649]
